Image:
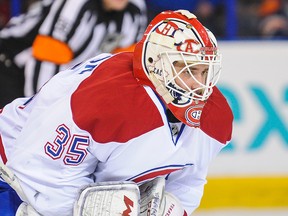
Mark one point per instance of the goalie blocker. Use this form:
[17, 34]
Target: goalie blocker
[108, 198]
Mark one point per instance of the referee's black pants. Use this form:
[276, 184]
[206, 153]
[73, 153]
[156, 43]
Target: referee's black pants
[11, 83]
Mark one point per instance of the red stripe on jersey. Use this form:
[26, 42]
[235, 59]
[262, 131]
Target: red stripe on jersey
[111, 105]
[217, 117]
[2, 151]
[154, 174]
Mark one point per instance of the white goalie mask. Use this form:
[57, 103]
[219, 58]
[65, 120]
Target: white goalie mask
[177, 38]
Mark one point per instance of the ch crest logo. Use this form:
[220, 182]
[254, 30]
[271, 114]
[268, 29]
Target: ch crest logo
[193, 115]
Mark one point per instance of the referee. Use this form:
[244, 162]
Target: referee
[56, 34]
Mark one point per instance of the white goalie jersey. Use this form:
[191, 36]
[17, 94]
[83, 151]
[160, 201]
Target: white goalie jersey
[95, 123]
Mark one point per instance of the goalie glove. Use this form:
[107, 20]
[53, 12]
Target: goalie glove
[171, 206]
[155, 201]
[10, 178]
[108, 198]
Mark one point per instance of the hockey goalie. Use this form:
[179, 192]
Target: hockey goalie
[131, 133]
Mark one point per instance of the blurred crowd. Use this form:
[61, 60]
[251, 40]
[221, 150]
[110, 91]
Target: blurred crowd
[263, 18]
[6, 10]
[249, 19]
[253, 18]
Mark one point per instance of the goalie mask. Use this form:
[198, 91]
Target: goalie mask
[178, 58]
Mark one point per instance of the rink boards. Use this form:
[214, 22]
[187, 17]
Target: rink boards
[253, 170]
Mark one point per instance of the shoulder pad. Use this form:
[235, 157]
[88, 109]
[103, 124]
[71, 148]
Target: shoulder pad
[217, 117]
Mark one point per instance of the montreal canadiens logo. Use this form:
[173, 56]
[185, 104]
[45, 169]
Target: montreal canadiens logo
[193, 114]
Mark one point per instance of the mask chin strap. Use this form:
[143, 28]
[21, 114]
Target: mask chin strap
[161, 90]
